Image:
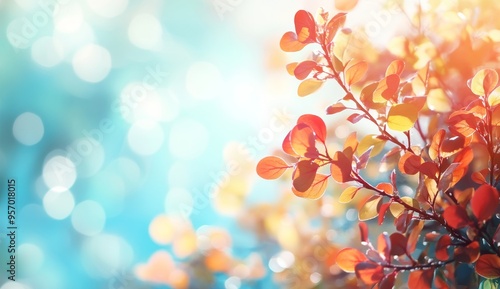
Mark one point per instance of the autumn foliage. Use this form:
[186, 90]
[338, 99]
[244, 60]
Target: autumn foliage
[441, 141]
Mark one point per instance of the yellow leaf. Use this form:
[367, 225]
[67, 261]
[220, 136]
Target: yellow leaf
[494, 97]
[368, 141]
[369, 209]
[309, 86]
[397, 209]
[290, 68]
[484, 81]
[354, 71]
[402, 116]
[438, 101]
[348, 194]
[345, 5]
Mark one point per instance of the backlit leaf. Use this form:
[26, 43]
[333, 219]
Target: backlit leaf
[419, 83]
[384, 245]
[309, 86]
[381, 214]
[271, 167]
[345, 5]
[354, 71]
[456, 217]
[386, 89]
[410, 163]
[303, 142]
[402, 117]
[305, 26]
[398, 244]
[304, 175]
[494, 97]
[435, 147]
[442, 248]
[371, 140]
[334, 25]
[369, 272]
[438, 101]
[348, 194]
[348, 258]
[366, 96]
[484, 202]
[303, 69]
[484, 82]
[363, 232]
[289, 42]
[488, 266]
[317, 188]
[388, 281]
[397, 209]
[287, 146]
[370, 209]
[335, 108]
[420, 279]
[396, 67]
[411, 245]
[341, 168]
[316, 123]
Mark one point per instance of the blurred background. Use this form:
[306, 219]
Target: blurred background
[132, 129]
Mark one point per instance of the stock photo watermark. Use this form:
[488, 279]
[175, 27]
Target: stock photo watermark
[224, 6]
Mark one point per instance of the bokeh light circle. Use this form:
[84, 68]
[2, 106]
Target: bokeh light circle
[203, 80]
[188, 139]
[92, 63]
[28, 128]
[88, 218]
[145, 31]
[59, 171]
[108, 8]
[47, 51]
[58, 203]
[145, 137]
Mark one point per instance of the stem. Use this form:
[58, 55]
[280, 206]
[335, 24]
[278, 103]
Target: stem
[399, 268]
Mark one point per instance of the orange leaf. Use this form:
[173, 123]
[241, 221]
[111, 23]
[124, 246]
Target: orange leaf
[290, 43]
[271, 167]
[384, 245]
[396, 67]
[316, 123]
[369, 272]
[333, 26]
[341, 168]
[419, 83]
[317, 188]
[348, 258]
[468, 254]
[488, 266]
[456, 217]
[305, 26]
[303, 69]
[287, 146]
[386, 89]
[335, 108]
[303, 142]
[435, 147]
[442, 248]
[366, 96]
[309, 86]
[354, 71]
[304, 175]
[484, 202]
[413, 237]
[420, 279]
[410, 163]
[345, 5]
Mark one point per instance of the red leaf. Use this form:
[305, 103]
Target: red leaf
[304, 174]
[355, 117]
[464, 157]
[303, 141]
[478, 177]
[381, 213]
[484, 202]
[287, 146]
[316, 123]
[363, 159]
[468, 254]
[442, 248]
[341, 168]
[488, 266]
[305, 27]
[384, 245]
[369, 272]
[333, 26]
[317, 188]
[363, 232]
[289, 42]
[420, 279]
[388, 281]
[436, 143]
[396, 67]
[410, 163]
[429, 169]
[456, 217]
[304, 68]
[398, 244]
[348, 258]
[336, 108]
[271, 168]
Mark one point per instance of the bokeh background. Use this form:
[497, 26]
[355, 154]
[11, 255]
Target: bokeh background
[132, 129]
